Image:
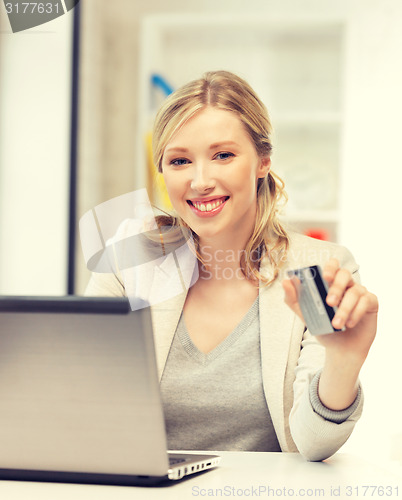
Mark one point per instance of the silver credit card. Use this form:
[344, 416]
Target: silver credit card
[312, 292]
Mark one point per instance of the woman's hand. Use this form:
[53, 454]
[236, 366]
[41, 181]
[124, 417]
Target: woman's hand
[347, 350]
[357, 312]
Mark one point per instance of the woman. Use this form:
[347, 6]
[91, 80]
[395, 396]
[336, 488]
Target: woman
[238, 369]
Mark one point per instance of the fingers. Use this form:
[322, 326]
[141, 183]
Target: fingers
[353, 305]
[341, 281]
[345, 294]
[368, 303]
[351, 308]
[330, 269]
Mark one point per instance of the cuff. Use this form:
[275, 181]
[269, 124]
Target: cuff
[335, 416]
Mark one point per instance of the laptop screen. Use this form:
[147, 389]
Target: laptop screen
[78, 387]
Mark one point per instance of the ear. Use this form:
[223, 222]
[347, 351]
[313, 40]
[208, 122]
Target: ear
[264, 167]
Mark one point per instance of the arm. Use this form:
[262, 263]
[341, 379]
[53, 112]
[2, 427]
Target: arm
[346, 352]
[316, 432]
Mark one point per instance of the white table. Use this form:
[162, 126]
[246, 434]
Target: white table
[240, 475]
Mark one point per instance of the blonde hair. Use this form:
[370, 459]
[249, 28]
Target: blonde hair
[227, 91]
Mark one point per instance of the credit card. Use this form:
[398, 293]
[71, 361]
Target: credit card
[312, 292]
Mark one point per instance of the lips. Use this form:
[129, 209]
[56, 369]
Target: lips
[208, 206]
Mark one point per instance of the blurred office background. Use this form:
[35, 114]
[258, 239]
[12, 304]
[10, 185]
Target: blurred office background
[331, 76]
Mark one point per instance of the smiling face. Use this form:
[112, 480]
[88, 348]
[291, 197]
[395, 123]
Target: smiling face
[211, 168]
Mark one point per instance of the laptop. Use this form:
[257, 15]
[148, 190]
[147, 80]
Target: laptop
[79, 395]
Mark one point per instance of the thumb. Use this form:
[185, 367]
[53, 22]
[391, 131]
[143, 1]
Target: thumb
[291, 297]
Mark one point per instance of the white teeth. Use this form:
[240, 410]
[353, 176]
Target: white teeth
[208, 207]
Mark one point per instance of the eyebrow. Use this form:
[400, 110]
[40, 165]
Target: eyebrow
[221, 144]
[180, 150]
[212, 146]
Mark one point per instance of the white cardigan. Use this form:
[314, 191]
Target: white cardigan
[290, 355]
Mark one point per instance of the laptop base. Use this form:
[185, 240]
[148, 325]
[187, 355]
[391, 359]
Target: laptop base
[82, 478]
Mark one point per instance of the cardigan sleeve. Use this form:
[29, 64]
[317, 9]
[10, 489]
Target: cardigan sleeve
[337, 416]
[316, 437]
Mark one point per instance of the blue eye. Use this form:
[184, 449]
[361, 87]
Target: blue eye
[179, 161]
[223, 156]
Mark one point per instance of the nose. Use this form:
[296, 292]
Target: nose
[203, 180]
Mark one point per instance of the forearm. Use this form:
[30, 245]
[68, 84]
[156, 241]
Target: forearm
[338, 385]
[317, 431]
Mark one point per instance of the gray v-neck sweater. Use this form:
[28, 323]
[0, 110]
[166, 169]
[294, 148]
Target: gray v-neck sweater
[215, 401]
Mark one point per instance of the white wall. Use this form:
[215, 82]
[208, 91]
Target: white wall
[372, 208]
[35, 72]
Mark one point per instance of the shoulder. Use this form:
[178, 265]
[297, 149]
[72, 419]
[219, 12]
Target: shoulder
[305, 251]
[105, 285]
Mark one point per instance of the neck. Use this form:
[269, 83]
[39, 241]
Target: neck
[222, 260]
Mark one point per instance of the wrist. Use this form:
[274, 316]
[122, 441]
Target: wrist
[342, 368]
[339, 381]
[344, 358]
